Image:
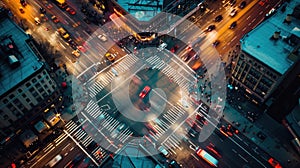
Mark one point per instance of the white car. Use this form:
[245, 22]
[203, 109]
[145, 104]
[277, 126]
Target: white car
[37, 21]
[163, 151]
[162, 46]
[233, 12]
[102, 37]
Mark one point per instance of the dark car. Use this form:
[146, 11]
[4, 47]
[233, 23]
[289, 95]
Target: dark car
[233, 25]
[42, 10]
[211, 28]
[232, 2]
[218, 18]
[23, 3]
[174, 164]
[242, 5]
[216, 43]
[70, 10]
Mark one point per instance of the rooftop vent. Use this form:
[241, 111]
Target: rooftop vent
[13, 61]
[276, 35]
[288, 19]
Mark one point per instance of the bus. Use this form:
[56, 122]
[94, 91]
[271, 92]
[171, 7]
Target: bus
[207, 157]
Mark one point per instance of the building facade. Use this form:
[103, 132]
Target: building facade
[267, 56]
[26, 87]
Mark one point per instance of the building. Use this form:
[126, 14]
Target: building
[268, 53]
[26, 87]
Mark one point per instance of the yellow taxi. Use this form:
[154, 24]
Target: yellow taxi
[110, 56]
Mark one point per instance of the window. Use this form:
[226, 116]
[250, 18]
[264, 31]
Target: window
[38, 85]
[33, 80]
[31, 104]
[39, 76]
[23, 95]
[20, 90]
[5, 101]
[10, 121]
[39, 99]
[31, 89]
[34, 94]
[41, 90]
[28, 100]
[27, 84]
[11, 96]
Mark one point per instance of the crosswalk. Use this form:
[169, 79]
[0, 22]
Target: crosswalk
[163, 124]
[105, 79]
[108, 125]
[165, 68]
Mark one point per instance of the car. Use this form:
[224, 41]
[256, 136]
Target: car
[110, 56]
[162, 150]
[81, 48]
[271, 12]
[70, 10]
[233, 13]
[21, 10]
[212, 148]
[76, 53]
[42, 10]
[274, 163]
[232, 2]
[174, 164]
[162, 46]
[144, 92]
[23, 3]
[54, 19]
[197, 65]
[102, 37]
[218, 18]
[233, 25]
[242, 5]
[216, 43]
[37, 21]
[211, 28]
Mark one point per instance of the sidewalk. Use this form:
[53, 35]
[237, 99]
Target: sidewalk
[276, 143]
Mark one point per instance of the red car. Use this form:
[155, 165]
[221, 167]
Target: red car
[70, 10]
[145, 91]
[274, 163]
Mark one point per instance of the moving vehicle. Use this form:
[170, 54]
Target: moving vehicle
[76, 53]
[70, 10]
[54, 161]
[110, 56]
[61, 3]
[162, 46]
[102, 37]
[242, 5]
[144, 92]
[211, 28]
[207, 157]
[21, 10]
[23, 3]
[233, 25]
[163, 151]
[54, 19]
[37, 21]
[216, 43]
[174, 164]
[233, 13]
[63, 33]
[42, 10]
[218, 18]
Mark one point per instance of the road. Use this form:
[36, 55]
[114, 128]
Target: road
[109, 85]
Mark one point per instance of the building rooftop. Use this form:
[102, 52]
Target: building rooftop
[17, 59]
[274, 53]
